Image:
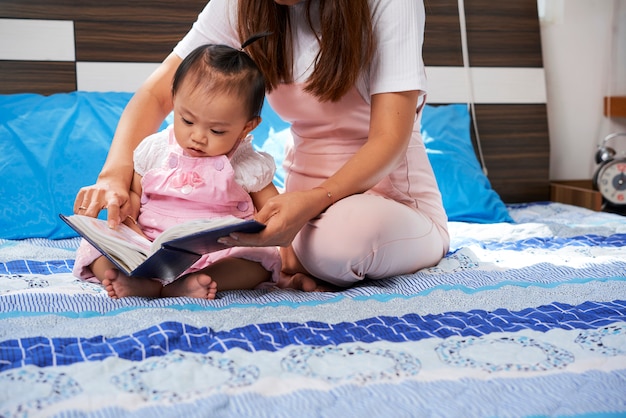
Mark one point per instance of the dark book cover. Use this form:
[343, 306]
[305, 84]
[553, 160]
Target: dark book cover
[174, 256]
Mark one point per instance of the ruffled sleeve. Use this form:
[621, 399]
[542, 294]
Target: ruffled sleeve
[253, 169]
[151, 152]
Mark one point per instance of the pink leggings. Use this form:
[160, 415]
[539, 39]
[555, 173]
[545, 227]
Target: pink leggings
[368, 236]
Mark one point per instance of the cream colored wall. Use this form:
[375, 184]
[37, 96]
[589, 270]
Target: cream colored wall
[577, 39]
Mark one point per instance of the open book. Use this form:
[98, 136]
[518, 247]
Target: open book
[174, 251]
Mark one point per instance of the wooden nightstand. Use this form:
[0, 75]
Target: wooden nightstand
[576, 192]
[615, 106]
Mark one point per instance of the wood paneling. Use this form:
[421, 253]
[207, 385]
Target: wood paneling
[144, 11]
[615, 106]
[516, 148]
[495, 49]
[123, 31]
[576, 192]
[503, 33]
[514, 138]
[43, 77]
[442, 37]
[499, 33]
[129, 42]
[502, 16]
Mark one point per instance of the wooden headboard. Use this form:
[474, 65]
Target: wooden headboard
[502, 75]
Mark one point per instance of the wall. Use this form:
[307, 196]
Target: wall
[49, 46]
[582, 64]
[575, 46]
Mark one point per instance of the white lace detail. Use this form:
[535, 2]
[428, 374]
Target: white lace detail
[151, 152]
[253, 169]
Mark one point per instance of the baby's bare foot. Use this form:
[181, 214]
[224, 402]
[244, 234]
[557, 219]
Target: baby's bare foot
[119, 285]
[194, 285]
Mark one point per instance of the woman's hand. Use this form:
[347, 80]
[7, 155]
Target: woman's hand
[284, 216]
[142, 116]
[112, 194]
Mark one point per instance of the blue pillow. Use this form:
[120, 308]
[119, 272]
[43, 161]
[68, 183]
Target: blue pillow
[54, 145]
[51, 147]
[466, 191]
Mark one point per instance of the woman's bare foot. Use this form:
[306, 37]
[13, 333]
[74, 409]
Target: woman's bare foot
[301, 281]
[194, 285]
[294, 276]
[298, 281]
[119, 285]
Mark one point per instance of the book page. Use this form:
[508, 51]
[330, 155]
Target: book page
[116, 239]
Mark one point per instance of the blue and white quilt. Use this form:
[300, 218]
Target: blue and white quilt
[520, 319]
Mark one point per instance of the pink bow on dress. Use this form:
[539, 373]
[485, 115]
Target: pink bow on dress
[187, 181]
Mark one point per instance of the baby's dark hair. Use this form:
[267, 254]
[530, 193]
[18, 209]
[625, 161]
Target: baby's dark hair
[225, 69]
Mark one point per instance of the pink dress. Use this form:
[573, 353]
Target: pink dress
[397, 227]
[400, 225]
[178, 188]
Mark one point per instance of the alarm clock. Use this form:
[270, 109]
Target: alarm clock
[610, 176]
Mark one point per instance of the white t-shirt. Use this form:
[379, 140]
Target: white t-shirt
[320, 148]
[398, 29]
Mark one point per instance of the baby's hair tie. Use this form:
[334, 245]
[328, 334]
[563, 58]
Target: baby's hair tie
[254, 38]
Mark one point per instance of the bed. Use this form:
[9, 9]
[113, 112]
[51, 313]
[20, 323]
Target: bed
[524, 317]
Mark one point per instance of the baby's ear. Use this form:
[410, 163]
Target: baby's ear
[252, 123]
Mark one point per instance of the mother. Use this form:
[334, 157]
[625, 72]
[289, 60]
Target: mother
[360, 200]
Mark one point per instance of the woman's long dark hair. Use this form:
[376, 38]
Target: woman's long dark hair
[346, 43]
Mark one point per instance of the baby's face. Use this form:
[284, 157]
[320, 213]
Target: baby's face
[208, 126]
